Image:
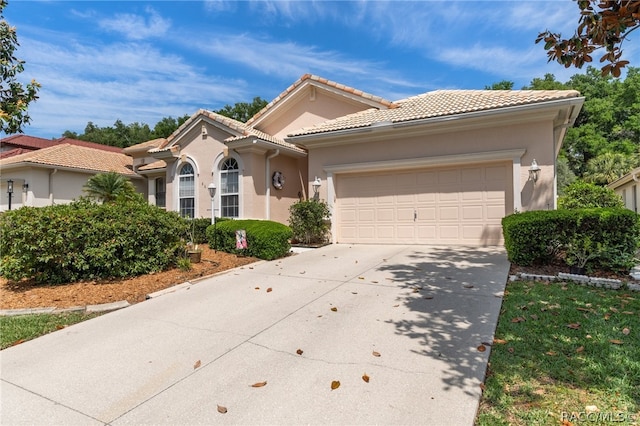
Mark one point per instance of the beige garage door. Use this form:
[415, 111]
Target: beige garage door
[461, 205]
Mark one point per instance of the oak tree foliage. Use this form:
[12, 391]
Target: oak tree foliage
[603, 24]
[15, 97]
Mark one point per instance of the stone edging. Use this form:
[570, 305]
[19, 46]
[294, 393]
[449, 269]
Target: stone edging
[608, 283]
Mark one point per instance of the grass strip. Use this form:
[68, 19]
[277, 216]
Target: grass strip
[564, 354]
[18, 329]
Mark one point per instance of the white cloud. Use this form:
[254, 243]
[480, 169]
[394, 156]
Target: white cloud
[137, 27]
[104, 82]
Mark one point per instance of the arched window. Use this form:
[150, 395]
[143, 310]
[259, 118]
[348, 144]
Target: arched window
[186, 191]
[229, 188]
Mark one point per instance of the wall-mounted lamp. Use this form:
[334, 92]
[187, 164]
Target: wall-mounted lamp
[9, 191]
[316, 187]
[25, 187]
[212, 193]
[534, 171]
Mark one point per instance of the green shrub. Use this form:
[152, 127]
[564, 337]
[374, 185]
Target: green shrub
[308, 221]
[582, 195]
[86, 240]
[604, 238]
[265, 239]
[197, 230]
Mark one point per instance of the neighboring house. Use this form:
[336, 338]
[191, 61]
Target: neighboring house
[19, 144]
[628, 187]
[443, 167]
[56, 174]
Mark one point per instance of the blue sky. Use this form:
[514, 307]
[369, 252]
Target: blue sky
[142, 61]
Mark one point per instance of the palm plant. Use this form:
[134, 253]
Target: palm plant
[107, 187]
[607, 167]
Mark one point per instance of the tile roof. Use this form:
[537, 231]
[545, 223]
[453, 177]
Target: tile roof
[75, 157]
[88, 144]
[26, 141]
[439, 103]
[160, 164]
[324, 81]
[33, 142]
[145, 146]
[236, 126]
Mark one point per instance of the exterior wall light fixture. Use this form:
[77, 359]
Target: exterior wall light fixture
[534, 171]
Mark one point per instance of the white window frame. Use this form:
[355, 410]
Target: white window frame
[225, 192]
[184, 195]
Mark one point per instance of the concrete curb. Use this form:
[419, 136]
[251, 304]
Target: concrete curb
[105, 307]
[607, 283]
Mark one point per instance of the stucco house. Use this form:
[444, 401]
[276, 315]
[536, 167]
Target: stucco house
[628, 187]
[443, 167]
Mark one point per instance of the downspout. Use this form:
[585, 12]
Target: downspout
[267, 180]
[51, 173]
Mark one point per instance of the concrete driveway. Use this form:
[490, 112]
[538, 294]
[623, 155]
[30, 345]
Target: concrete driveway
[409, 317]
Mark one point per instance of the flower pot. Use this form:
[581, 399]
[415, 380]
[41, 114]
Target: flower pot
[194, 256]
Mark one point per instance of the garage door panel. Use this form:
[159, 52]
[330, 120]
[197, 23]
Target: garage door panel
[495, 212]
[455, 205]
[385, 215]
[472, 212]
[426, 213]
[448, 213]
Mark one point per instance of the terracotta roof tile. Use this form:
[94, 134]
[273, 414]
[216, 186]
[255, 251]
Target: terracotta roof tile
[145, 146]
[26, 141]
[33, 142]
[439, 103]
[75, 157]
[326, 82]
[160, 164]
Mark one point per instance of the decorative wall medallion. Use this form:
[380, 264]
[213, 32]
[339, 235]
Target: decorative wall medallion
[278, 180]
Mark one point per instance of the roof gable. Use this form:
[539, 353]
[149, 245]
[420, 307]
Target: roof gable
[347, 93]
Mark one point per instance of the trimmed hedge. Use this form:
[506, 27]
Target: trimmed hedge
[84, 240]
[611, 236]
[265, 239]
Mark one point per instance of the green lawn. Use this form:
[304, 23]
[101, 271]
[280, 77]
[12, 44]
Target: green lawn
[564, 352]
[18, 329]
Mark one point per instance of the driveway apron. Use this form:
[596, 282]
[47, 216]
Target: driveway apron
[397, 326]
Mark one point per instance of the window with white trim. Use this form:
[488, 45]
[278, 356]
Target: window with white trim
[161, 192]
[186, 191]
[229, 188]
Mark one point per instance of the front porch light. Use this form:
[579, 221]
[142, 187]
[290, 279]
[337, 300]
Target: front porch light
[534, 171]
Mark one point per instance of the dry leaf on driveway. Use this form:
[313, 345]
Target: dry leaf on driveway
[482, 348]
[335, 385]
[222, 410]
[299, 351]
[374, 353]
[365, 377]
[259, 384]
[197, 364]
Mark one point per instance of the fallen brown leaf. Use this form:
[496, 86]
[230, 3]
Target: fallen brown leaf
[269, 290]
[551, 353]
[365, 377]
[395, 306]
[616, 341]
[518, 319]
[257, 288]
[574, 326]
[482, 348]
[334, 309]
[499, 341]
[335, 385]
[222, 410]
[374, 353]
[259, 384]
[197, 364]
[580, 349]
[299, 351]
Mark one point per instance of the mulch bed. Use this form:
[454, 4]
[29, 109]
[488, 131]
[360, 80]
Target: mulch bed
[28, 294]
